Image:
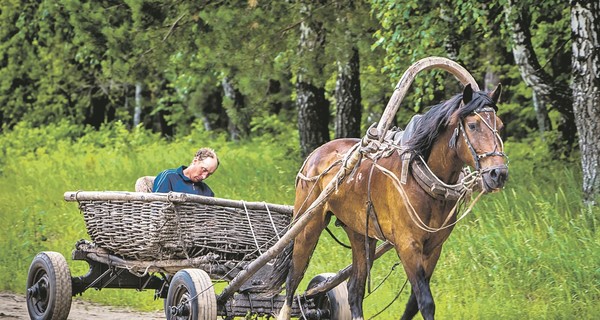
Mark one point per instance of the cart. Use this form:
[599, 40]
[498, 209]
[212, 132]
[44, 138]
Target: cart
[178, 245]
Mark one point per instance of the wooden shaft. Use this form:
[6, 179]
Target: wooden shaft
[460, 73]
[344, 274]
[294, 230]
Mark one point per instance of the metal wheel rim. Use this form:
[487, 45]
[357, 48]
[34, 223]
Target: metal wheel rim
[40, 301]
[324, 303]
[182, 300]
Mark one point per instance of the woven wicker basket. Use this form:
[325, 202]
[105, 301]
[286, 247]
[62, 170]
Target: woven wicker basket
[153, 226]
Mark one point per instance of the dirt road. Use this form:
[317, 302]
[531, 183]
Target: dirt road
[14, 306]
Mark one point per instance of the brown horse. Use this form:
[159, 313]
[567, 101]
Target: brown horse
[383, 199]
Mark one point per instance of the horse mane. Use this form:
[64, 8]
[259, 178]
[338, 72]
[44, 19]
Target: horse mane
[439, 117]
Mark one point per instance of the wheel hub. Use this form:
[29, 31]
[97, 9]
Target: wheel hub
[38, 293]
[183, 307]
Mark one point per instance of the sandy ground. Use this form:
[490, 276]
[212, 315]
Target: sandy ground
[14, 306]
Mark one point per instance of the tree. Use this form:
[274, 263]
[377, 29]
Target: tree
[313, 108]
[41, 82]
[585, 27]
[347, 96]
[546, 90]
[347, 86]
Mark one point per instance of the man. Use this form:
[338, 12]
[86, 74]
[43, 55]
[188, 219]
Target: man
[189, 179]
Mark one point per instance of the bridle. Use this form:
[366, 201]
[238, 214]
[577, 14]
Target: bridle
[498, 150]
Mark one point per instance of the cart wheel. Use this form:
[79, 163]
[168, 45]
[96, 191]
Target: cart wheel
[49, 292]
[334, 300]
[191, 296]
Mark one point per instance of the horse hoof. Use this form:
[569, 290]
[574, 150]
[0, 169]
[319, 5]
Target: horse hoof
[284, 313]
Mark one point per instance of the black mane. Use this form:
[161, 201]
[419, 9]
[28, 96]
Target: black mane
[438, 117]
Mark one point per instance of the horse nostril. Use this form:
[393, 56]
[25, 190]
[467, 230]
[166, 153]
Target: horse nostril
[494, 174]
[500, 175]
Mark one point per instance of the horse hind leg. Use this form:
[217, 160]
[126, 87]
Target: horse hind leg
[361, 249]
[304, 246]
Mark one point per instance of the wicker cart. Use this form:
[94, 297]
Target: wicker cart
[179, 245]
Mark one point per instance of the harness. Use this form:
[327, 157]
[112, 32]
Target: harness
[394, 141]
[425, 178]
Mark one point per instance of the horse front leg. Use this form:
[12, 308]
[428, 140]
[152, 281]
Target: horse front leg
[412, 306]
[361, 249]
[419, 269]
[304, 245]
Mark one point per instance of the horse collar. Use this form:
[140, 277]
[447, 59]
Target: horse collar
[429, 182]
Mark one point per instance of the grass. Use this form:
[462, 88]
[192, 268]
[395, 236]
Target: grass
[530, 251]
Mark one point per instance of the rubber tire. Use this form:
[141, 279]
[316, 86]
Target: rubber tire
[52, 268]
[336, 299]
[186, 284]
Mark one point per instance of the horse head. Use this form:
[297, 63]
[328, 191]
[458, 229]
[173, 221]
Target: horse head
[476, 138]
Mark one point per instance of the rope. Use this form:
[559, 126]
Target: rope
[252, 229]
[300, 307]
[468, 181]
[413, 213]
[391, 302]
[271, 218]
[336, 239]
[384, 279]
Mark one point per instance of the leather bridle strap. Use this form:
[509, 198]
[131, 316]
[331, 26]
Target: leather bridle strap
[477, 157]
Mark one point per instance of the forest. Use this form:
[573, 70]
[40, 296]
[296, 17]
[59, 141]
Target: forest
[328, 67]
[94, 94]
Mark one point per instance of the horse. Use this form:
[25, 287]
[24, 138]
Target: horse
[384, 198]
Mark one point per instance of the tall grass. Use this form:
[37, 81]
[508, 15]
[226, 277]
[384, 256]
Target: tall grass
[530, 251]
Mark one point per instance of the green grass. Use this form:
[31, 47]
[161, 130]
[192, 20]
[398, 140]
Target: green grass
[530, 251]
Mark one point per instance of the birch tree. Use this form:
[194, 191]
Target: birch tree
[585, 27]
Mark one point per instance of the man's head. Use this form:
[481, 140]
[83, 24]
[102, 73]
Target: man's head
[205, 163]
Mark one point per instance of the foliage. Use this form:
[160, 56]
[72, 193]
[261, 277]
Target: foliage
[82, 60]
[475, 34]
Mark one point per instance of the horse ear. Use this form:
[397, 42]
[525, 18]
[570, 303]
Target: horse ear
[495, 94]
[467, 94]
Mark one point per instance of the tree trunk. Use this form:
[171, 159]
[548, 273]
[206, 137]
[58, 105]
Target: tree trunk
[239, 120]
[585, 27]
[541, 114]
[347, 97]
[100, 110]
[546, 90]
[137, 113]
[313, 108]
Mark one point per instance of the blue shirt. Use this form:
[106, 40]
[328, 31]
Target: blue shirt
[174, 180]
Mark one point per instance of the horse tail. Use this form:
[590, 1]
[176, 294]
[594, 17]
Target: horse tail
[281, 265]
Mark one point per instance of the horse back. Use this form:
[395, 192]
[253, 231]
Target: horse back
[320, 166]
[327, 155]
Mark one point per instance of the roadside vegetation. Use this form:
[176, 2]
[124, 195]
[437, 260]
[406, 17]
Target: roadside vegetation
[530, 251]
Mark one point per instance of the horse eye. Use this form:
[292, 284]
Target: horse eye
[472, 125]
